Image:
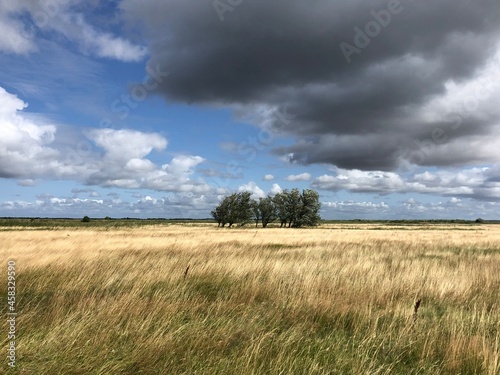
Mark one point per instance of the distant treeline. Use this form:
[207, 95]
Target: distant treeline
[94, 222]
[412, 221]
[130, 222]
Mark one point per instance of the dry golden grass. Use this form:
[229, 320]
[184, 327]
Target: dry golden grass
[336, 299]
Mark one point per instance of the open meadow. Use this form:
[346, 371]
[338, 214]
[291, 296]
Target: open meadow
[197, 299]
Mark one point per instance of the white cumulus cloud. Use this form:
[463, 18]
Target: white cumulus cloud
[276, 189]
[252, 187]
[479, 183]
[127, 144]
[30, 150]
[299, 177]
[24, 145]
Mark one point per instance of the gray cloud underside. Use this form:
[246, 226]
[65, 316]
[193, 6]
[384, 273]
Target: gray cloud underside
[364, 114]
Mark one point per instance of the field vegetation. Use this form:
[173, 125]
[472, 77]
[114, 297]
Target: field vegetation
[196, 299]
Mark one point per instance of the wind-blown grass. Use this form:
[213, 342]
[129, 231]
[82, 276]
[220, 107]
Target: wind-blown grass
[272, 301]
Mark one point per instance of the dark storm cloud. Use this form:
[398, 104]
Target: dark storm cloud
[358, 100]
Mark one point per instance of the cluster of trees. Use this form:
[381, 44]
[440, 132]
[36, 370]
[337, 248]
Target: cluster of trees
[291, 208]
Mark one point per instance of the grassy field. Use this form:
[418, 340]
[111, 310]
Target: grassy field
[339, 299]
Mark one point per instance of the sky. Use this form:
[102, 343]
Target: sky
[158, 109]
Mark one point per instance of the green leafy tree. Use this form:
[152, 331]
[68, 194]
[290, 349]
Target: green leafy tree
[308, 211]
[256, 213]
[235, 208]
[293, 207]
[279, 201]
[224, 213]
[218, 215]
[244, 208]
[266, 210]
